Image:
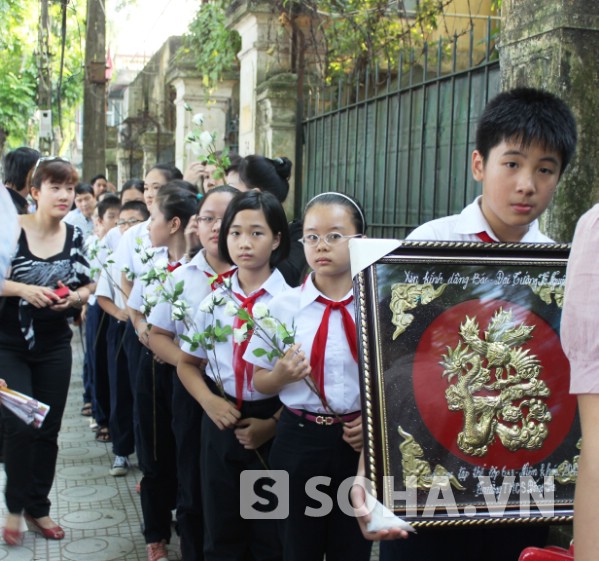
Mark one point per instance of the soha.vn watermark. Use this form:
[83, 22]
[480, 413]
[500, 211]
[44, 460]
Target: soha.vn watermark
[266, 495]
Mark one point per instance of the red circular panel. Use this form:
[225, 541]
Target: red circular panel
[430, 385]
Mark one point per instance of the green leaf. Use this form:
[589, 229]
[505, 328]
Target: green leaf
[259, 352]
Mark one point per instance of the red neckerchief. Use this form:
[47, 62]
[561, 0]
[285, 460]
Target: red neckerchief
[170, 268]
[219, 279]
[484, 237]
[243, 370]
[320, 339]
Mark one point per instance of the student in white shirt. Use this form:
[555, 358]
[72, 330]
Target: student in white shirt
[203, 274]
[238, 424]
[524, 142]
[85, 201]
[170, 213]
[110, 298]
[318, 435]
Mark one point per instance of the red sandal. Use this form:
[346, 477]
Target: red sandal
[54, 533]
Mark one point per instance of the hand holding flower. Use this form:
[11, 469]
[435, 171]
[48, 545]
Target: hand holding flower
[222, 412]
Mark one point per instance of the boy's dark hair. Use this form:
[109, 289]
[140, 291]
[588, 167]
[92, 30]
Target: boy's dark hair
[111, 201]
[350, 203]
[275, 218]
[528, 115]
[84, 189]
[96, 177]
[169, 171]
[182, 184]
[175, 201]
[139, 206]
[132, 184]
[258, 172]
[17, 165]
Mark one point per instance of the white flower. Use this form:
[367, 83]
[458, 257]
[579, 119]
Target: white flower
[206, 139]
[198, 119]
[129, 274]
[260, 310]
[230, 309]
[269, 325]
[207, 306]
[240, 334]
[160, 264]
[196, 148]
[179, 310]
[151, 299]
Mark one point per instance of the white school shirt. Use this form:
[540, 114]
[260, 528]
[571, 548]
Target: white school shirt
[298, 306]
[111, 273]
[140, 289]
[75, 218]
[275, 284]
[95, 245]
[196, 286]
[463, 227]
[125, 254]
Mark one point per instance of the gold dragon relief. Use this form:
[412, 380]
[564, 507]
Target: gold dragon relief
[406, 297]
[496, 384]
[550, 293]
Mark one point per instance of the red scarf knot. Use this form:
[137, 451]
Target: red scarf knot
[320, 340]
[243, 370]
[217, 280]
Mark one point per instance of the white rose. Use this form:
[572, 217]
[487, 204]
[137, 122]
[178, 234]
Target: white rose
[206, 139]
[196, 148]
[269, 325]
[160, 264]
[198, 119]
[231, 309]
[207, 306]
[240, 335]
[260, 310]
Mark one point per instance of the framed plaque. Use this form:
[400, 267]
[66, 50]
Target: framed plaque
[466, 411]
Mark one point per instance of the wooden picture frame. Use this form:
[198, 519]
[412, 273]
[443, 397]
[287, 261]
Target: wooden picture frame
[466, 412]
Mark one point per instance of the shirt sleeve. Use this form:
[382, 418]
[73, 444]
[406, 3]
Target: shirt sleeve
[198, 325]
[579, 323]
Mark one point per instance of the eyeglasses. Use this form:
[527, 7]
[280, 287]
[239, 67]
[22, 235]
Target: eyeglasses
[208, 220]
[331, 239]
[129, 222]
[45, 159]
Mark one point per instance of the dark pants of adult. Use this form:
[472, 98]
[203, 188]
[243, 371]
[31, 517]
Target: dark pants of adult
[306, 450]
[121, 398]
[228, 536]
[30, 454]
[133, 350]
[157, 449]
[187, 427]
[465, 544]
[96, 326]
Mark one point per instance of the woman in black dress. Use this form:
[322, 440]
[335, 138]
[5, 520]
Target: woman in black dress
[48, 282]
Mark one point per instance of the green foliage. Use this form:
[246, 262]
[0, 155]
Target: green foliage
[212, 47]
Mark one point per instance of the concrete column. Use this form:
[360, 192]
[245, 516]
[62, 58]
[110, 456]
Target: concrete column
[553, 45]
[214, 107]
[259, 59]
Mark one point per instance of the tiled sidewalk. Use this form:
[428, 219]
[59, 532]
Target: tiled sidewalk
[100, 514]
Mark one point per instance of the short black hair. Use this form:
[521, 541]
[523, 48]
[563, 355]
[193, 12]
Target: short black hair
[235, 163]
[528, 115]
[350, 203]
[134, 183]
[139, 206]
[108, 202]
[169, 171]
[53, 169]
[182, 184]
[258, 172]
[84, 189]
[275, 218]
[175, 201]
[96, 177]
[17, 165]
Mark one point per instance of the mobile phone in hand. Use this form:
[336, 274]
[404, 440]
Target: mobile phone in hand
[62, 292]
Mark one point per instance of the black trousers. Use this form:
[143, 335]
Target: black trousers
[30, 454]
[156, 449]
[121, 397]
[133, 350]
[306, 450]
[96, 358]
[227, 535]
[187, 427]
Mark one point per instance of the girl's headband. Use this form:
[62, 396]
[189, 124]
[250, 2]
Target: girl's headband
[344, 197]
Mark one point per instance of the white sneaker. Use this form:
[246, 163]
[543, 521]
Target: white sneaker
[120, 466]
